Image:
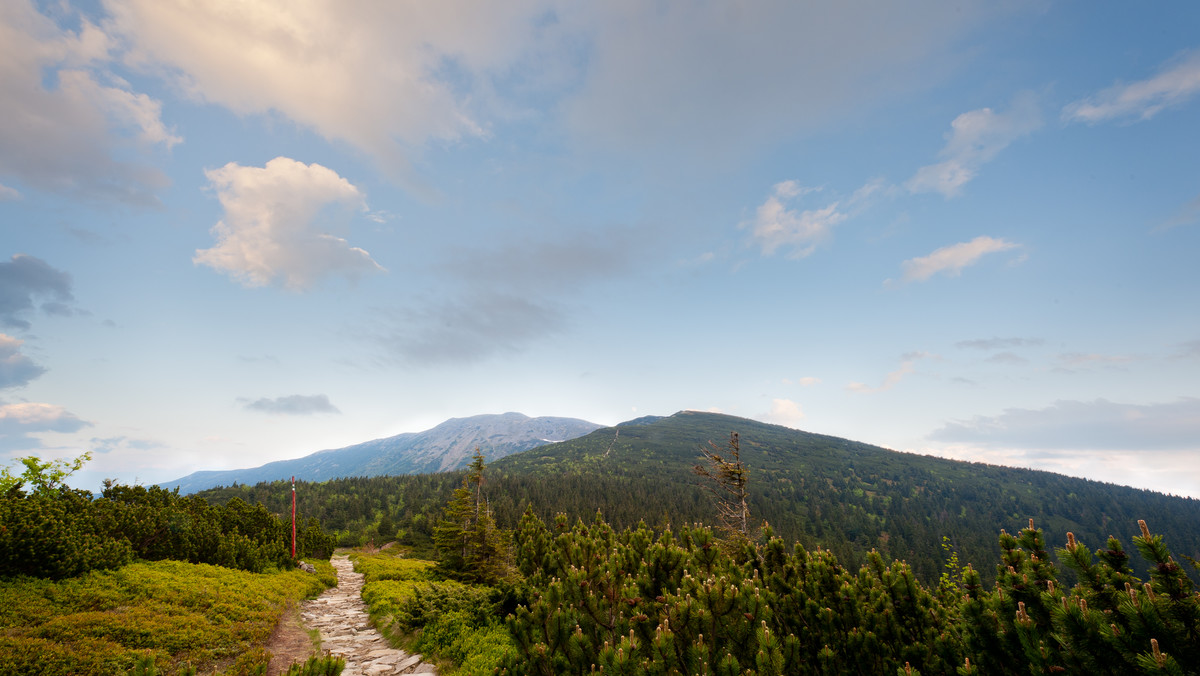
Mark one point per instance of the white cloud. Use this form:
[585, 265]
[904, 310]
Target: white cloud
[274, 228]
[952, 259]
[18, 421]
[775, 225]
[15, 368]
[386, 77]
[66, 117]
[1144, 99]
[296, 404]
[974, 139]
[784, 412]
[8, 194]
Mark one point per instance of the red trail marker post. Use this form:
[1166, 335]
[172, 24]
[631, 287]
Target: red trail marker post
[293, 516]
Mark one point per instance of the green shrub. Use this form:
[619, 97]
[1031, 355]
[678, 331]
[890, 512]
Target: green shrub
[175, 613]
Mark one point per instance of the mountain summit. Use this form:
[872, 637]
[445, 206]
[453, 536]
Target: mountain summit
[446, 447]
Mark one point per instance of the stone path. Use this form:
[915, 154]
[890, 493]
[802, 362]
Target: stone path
[341, 617]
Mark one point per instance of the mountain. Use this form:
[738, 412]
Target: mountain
[818, 490]
[446, 447]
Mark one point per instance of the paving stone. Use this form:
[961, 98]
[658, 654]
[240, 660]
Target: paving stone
[341, 617]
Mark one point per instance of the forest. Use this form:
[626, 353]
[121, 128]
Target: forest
[820, 491]
[668, 546]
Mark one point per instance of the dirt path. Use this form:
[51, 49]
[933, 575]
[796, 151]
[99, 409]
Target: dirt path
[341, 617]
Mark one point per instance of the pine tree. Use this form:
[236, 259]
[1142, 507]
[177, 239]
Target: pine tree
[728, 477]
[470, 546]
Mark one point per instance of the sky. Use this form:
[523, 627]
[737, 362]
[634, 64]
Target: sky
[234, 232]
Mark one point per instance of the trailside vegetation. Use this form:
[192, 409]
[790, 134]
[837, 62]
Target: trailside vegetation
[161, 617]
[56, 532]
[684, 601]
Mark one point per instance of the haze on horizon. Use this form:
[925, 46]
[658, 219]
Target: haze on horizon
[243, 232]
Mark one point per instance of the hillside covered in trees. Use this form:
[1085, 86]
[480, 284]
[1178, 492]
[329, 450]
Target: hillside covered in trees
[820, 491]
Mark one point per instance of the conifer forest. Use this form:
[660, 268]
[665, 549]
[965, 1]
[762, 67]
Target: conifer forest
[728, 564]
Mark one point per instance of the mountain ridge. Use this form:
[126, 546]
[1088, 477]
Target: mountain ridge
[444, 447]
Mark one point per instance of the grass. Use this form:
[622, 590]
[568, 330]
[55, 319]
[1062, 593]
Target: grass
[179, 614]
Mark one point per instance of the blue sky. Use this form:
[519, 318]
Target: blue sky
[238, 232]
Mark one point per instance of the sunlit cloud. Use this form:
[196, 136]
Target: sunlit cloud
[951, 260]
[1176, 84]
[19, 421]
[276, 222]
[67, 118]
[974, 139]
[776, 226]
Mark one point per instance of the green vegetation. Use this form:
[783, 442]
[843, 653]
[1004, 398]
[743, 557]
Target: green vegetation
[459, 623]
[161, 617]
[56, 532]
[821, 491]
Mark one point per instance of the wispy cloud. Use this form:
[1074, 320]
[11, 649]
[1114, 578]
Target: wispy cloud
[952, 259]
[295, 404]
[1097, 424]
[470, 328]
[24, 280]
[806, 381]
[1187, 214]
[908, 366]
[276, 222]
[998, 343]
[15, 368]
[1188, 350]
[778, 224]
[974, 139]
[1177, 82]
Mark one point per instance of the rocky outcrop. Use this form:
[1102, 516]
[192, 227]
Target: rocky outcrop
[341, 617]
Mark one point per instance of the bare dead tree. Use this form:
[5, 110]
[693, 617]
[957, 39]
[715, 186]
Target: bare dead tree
[727, 482]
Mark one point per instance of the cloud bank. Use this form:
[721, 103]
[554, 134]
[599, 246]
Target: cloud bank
[1081, 425]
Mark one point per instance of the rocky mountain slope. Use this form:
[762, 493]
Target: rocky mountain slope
[446, 447]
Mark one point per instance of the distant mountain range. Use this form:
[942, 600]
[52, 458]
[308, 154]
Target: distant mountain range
[446, 447]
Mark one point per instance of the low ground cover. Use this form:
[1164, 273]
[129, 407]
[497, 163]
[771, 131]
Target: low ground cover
[182, 615]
